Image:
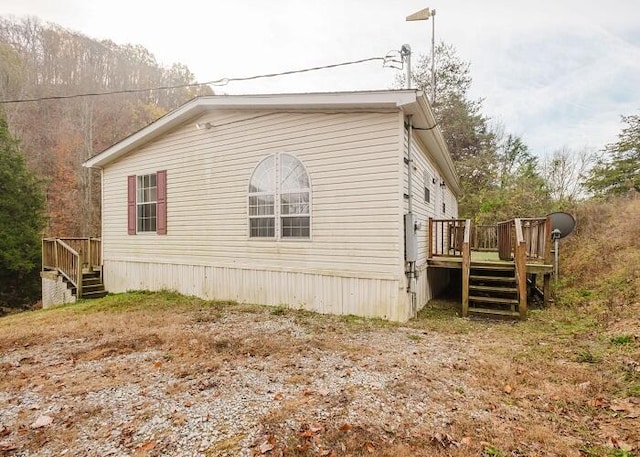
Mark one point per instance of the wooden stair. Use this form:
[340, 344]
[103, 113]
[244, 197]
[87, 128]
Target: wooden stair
[92, 286]
[493, 290]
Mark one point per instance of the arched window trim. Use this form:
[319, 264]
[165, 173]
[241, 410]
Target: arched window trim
[277, 216]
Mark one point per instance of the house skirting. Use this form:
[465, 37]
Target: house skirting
[55, 290]
[318, 292]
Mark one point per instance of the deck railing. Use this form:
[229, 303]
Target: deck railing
[70, 256]
[446, 237]
[536, 234]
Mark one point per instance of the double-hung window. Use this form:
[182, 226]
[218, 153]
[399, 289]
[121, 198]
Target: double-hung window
[280, 199]
[147, 203]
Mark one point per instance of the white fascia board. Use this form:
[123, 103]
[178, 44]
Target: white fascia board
[425, 118]
[320, 101]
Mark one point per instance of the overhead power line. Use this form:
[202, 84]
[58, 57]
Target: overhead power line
[389, 60]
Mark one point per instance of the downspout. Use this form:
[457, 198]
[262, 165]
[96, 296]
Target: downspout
[410, 236]
[410, 162]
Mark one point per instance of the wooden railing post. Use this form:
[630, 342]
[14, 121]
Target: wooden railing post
[466, 267]
[89, 256]
[520, 260]
[547, 241]
[79, 264]
[430, 237]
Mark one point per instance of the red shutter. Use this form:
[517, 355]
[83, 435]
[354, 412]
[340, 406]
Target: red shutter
[131, 204]
[161, 212]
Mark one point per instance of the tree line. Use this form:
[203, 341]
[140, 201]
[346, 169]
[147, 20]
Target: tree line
[54, 137]
[500, 176]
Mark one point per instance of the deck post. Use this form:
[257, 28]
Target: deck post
[89, 256]
[466, 267]
[546, 289]
[80, 261]
[547, 241]
[520, 259]
[430, 251]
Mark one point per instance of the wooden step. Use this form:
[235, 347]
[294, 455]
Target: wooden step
[494, 300]
[511, 279]
[92, 288]
[90, 281]
[500, 312]
[502, 290]
[96, 294]
[493, 267]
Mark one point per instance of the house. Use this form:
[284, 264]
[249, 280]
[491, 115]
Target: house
[312, 201]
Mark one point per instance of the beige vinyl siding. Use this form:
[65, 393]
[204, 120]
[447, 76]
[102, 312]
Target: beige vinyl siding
[352, 162]
[422, 162]
[431, 281]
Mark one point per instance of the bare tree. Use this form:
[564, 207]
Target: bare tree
[564, 170]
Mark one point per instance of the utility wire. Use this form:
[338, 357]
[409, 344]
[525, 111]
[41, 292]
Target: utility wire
[390, 59]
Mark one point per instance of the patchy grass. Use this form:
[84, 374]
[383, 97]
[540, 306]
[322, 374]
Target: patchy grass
[561, 383]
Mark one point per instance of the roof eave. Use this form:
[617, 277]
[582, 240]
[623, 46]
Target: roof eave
[424, 118]
[195, 107]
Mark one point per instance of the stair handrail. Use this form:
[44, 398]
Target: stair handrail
[520, 261]
[69, 263]
[466, 267]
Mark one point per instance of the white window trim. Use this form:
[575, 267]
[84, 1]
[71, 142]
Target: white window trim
[138, 203]
[277, 202]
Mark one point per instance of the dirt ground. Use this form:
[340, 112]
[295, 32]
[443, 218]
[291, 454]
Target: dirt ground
[160, 374]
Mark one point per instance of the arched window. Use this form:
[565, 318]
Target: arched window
[279, 199]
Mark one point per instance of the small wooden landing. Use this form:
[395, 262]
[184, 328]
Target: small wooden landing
[487, 258]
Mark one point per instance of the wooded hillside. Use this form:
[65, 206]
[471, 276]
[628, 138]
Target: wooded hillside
[56, 136]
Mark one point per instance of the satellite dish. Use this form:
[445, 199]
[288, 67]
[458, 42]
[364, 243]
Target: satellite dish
[564, 222]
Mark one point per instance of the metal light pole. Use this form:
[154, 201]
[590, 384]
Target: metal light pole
[424, 15]
[405, 52]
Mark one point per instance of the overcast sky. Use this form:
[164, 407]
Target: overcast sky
[557, 72]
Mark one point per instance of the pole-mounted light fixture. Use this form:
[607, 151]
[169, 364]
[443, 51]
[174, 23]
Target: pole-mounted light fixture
[424, 15]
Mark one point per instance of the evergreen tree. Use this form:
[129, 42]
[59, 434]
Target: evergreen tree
[619, 170]
[21, 222]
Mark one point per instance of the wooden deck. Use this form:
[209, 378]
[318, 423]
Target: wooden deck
[499, 263]
[487, 257]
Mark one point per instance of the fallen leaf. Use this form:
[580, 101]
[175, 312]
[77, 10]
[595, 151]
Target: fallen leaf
[306, 434]
[6, 446]
[466, 440]
[621, 405]
[345, 427]
[266, 447]
[147, 446]
[5, 431]
[595, 402]
[315, 427]
[157, 364]
[445, 440]
[188, 404]
[42, 421]
[279, 396]
[369, 447]
[507, 389]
